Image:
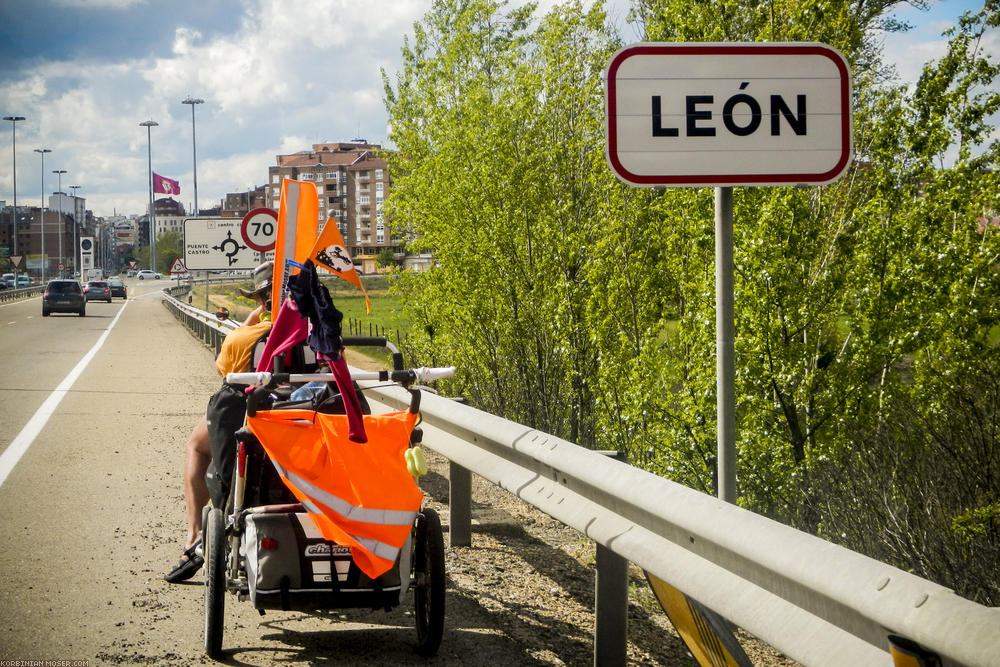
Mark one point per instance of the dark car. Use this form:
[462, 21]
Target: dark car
[63, 296]
[117, 287]
[97, 290]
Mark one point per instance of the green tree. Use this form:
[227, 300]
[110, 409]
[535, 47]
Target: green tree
[495, 124]
[169, 246]
[585, 307]
[384, 257]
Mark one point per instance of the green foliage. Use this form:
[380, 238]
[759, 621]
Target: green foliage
[384, 257]
[169, 246]
[495, 121]
[586, 308]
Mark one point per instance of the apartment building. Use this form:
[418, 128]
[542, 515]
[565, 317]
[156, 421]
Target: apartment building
[238, 204]
[352, 182]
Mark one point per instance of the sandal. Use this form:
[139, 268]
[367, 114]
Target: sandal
[190, 562]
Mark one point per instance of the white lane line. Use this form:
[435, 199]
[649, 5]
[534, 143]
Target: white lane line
[27, 436]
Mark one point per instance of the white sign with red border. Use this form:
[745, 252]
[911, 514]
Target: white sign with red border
[729, 114]
[260, 229]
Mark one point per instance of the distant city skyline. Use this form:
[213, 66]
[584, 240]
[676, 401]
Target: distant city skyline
[275, 78]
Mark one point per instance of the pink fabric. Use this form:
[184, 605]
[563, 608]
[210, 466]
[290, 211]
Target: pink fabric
[289, 329]
[352, 406]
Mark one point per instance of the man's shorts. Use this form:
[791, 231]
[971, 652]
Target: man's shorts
[227, 409]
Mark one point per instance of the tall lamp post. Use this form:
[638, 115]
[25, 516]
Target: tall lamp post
[149, 125]
[76, 240]
[41, 209]
[13, 138]
[62, 222]
[194, 151]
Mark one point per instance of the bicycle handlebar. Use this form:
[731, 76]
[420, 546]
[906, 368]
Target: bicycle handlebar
[422, 374]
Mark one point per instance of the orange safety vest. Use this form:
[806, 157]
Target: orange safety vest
[359, 495]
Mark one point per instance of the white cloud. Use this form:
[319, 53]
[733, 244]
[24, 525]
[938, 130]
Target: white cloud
[276, 79]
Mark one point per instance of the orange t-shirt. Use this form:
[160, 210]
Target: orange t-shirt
[236, 352]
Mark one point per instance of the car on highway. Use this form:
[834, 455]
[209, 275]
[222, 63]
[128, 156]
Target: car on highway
[146, 274]
[97, 290]
[63, 296]
[23, 281]
[117, 286]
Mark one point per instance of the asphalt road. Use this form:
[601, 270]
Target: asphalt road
[93, 509]
[100, 407]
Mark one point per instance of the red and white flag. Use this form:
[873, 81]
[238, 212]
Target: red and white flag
[164, 185]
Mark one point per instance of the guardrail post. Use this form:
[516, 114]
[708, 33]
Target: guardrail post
[611, 608]
[460, 503]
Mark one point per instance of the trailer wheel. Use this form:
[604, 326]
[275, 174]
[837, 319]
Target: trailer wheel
[215, 582]
[429, 582]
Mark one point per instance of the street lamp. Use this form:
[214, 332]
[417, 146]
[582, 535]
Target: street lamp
[194, 152]
[13, 138]
[149, 125]
[76, 226]
[62, 222]
[41, 209]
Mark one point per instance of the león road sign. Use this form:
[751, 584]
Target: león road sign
[728, 114]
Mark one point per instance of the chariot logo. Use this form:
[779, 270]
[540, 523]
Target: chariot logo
[314, 550]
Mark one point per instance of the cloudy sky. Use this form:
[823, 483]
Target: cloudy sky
[276, 77]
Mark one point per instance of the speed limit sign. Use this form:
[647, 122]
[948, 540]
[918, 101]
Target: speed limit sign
[259, 229]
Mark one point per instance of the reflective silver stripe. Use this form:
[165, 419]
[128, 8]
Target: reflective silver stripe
[380, 549]
[343, 508]
[291, 231]
[384, 517]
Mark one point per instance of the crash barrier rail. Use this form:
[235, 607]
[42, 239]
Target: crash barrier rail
[20, 293]
[205, 326]
[818, 603]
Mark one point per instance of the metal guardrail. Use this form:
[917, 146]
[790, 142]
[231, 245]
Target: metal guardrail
[205, 326]
[20, 293]
[818, 603]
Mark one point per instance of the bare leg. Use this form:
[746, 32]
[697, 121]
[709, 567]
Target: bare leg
[196, 461]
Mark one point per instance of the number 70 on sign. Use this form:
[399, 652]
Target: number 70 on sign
[259, 229]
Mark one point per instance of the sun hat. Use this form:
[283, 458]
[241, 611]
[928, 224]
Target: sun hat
[262, 277]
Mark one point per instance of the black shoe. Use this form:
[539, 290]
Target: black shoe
[190, 562]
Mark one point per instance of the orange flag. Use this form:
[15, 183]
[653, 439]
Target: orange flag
[330, 252]
[297, 214]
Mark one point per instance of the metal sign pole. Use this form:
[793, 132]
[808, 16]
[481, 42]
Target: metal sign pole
[725, 333]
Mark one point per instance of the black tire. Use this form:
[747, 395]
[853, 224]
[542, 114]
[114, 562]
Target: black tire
[45, 313]
[429, 582]
[215, 582]
[83, 312]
